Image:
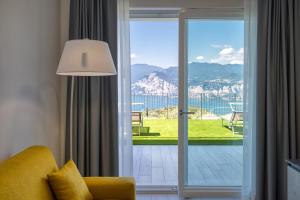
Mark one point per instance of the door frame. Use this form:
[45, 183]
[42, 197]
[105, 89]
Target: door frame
[159, 15]
[184, 190]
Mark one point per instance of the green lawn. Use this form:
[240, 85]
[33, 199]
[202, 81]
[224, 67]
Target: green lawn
[164, 131]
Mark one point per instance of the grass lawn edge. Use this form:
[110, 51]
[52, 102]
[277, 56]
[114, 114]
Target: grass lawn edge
[191, 142]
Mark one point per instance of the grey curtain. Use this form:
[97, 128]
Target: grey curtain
[95, 138]
[278, 95]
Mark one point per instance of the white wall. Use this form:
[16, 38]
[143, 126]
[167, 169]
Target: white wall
[186, 3]
[64, 36]
[29, 87]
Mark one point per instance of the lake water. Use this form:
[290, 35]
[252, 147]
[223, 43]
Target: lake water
[216, 104]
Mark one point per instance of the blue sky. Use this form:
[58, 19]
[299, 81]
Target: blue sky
[156, 42]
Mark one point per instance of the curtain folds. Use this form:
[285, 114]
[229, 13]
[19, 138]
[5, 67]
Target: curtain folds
[278, 95]
[95, 110]
[249, 99]
[124, 91]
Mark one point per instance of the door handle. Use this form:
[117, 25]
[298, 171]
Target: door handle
[181, 112]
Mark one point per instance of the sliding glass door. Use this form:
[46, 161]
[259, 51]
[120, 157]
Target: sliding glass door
[211, 56]
[206, 90]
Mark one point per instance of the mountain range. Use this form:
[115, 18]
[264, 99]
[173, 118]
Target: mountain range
[202, 77]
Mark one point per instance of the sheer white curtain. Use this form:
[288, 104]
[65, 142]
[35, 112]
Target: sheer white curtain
[248, 192]
[124, 90]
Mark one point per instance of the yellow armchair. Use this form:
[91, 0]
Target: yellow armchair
[24, 176]
[121, 188]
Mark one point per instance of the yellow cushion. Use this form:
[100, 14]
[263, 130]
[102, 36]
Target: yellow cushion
[68, 184]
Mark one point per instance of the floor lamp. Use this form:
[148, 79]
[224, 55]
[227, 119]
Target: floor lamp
[84, 58]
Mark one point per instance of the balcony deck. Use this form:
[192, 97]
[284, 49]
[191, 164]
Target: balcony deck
[209, 165]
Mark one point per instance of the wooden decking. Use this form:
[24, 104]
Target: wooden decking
[209, 165]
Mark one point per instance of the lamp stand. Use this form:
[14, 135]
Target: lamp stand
[71, 118]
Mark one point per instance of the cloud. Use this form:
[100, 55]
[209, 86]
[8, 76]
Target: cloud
[133, 56]
[200, 58]
[226, 51]
[241, 50]
[229, 55]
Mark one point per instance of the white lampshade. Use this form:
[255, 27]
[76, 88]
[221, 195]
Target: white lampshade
[86, 58]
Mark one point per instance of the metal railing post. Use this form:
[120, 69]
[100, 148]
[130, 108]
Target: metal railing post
[201, 109]
[167, 105]
[147, 105]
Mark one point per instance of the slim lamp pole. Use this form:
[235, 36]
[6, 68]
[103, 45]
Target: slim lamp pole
[71, 118]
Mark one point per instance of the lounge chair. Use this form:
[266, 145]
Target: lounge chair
[137, 120]
[235, 117]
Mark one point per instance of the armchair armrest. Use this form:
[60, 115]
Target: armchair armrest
[121, 188]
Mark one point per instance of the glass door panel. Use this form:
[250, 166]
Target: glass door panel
[211, 102]
[154, 102]
[215, 98]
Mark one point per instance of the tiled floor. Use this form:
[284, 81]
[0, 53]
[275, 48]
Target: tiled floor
[209, 165]
[157, 197]
[173, 197]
